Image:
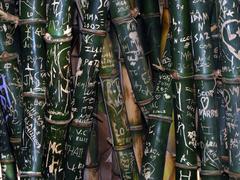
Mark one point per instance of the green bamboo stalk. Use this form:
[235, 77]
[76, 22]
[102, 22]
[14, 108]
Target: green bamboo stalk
[159, 119]
[132, 52]
[85, 88]
[10, 79]
[206, 90]
[186, 156]
[229, 29]
[58, 116]
[117, 117]
[8, 165]
[217, 55]
[149, 10]
[32, 28]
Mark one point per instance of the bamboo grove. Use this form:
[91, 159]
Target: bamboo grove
[120, 89]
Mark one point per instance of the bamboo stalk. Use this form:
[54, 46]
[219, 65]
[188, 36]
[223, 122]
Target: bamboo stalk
[58, 115]
[32, 28]
[7, 161]
[229, 30]
[117, 117]
[132, 52]
[217, 56]
[11, 80]
[85, 88]
[206, 90]
[186, 156]
[159, 119]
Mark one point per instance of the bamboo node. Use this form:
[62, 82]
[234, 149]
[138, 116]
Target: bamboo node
[58, 122]
[210, 172]
[184, 166]
[31, 21]
[94, 31]
[49, 39]
[77, 123]
[122, 20]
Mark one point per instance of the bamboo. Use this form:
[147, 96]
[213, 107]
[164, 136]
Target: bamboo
[186, 156]
[217, 55]
[32, 28]
[11, 88]
[206, 90]
[159, 119]
[132, 52]
[134, 116]
[58, 116]
[7, 161]
[117, 117]
[85, 85]
[229, 29]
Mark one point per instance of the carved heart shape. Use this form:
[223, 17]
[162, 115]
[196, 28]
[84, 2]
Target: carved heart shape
[204, 102]
[231, 38]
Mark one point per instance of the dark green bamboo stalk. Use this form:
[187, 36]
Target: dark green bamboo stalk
[229, 30]
[117, 117]
[85, 88]
[160, 116]
[186, 156]
[132, 52]
[7, 160]
[206, 90]
[217, 55]
[32, 28]
[58, 115]
[10, 79]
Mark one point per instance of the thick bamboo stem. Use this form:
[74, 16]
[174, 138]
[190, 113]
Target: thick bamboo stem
[32, 28]
[229, 30]
[132, 52]
[85, 88]
[11, 84]
[115, 108]
[58, 114]
[160, 116]
[186, 156]
[206, 90]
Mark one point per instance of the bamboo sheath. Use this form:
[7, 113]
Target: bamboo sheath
[117, 117]
[229, 30]
[206, 90]
[11, 84]
[85, 88]
[186, 156]
[33, 57]
[58, 116]
[133, 115]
